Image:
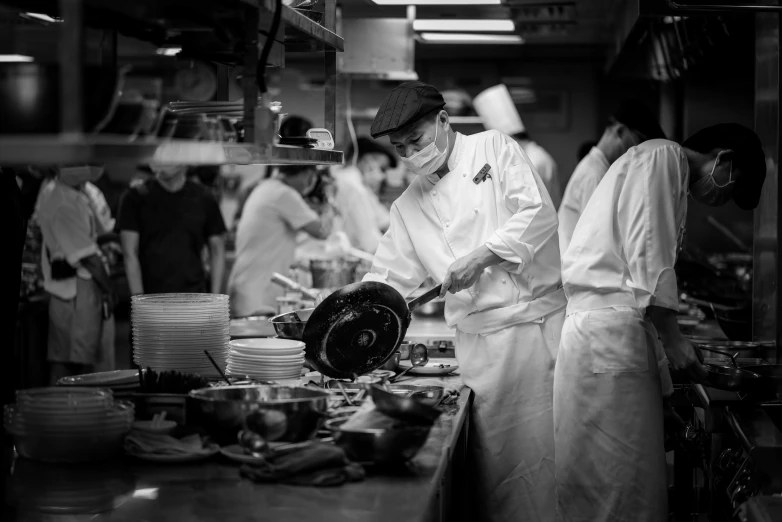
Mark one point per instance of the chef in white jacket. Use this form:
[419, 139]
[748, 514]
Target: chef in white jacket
[478, 219]
[497, 111]
[632, 123]
[622, 295]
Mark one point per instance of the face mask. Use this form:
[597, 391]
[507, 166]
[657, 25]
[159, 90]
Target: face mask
[707, 191]
[429, 159]
[76, 176]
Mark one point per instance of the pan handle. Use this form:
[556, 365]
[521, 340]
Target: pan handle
[422, 300]
[293, 285]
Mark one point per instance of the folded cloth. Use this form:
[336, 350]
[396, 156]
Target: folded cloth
[317, 464]
[145, 442]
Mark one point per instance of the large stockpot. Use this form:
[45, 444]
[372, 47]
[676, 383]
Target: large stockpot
[276, 413]
[333, 273]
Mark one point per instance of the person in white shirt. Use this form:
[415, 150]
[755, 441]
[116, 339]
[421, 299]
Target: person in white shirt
[620, 283]
[363, 217]
[497, 110]
[632, 123]
[81, 327]
[266, 237]
[478, 219]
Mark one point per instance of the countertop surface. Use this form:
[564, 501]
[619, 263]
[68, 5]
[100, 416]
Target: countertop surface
[213, 491]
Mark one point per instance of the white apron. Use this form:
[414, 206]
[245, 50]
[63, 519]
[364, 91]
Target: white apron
[511, 372]
[608, 421]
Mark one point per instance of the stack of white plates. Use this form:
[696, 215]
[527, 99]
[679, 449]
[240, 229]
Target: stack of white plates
[266, 359]
[171, 332]
[68, 424]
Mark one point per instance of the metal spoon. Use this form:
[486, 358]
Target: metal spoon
[419, 356]
[220, 371]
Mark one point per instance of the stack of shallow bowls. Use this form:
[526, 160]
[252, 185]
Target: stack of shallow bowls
[172, 331]
[118, 381]
[266, 359]
[68, 424]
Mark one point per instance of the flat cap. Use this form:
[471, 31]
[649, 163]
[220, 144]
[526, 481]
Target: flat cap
[406, 104]
[637, 117]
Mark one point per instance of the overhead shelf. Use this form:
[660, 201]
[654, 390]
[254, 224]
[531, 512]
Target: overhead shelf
[59, 150]
[455, 120]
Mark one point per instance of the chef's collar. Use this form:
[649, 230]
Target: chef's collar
[453, 159]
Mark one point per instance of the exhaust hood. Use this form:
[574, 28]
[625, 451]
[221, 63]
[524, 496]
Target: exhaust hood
[378, 48]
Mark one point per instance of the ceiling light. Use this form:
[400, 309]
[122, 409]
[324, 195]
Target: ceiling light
[472, 38]
[43, 17]
[437, 2]
[464, 25]
[15, 58]
[169, 51]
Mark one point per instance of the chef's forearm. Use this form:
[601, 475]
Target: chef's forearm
[485, 258]
[217, 263]
[664, 320]
[133, 273]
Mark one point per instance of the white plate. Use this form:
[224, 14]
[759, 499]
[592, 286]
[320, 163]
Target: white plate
[432, 367]
[177, 457]
[236, 453]
[267, 343]
[267, 353]
[118, 377]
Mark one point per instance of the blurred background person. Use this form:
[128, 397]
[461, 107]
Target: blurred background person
[496, 108]
[164, 224]
[631, 124]
[274, 213]
[81, 328]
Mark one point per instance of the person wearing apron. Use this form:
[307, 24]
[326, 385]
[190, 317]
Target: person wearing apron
[622, 303]
[478, 218]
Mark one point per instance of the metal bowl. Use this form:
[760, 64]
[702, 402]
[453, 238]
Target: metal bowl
[403, 408]
[379, 446]
[276, 413]
[287, 328]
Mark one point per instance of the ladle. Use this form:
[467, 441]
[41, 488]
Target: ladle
[419, 356]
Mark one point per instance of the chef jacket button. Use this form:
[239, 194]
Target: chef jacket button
[447, 224]
[504, 281]
[434, 193]
[464, 174]
[475, 210]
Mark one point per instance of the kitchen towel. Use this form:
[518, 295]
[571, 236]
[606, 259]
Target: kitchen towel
[317, 464]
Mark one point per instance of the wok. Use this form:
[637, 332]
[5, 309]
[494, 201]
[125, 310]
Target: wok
[771, 377]
[358, 328]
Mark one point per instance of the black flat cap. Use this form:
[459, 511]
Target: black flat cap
[638, 118]
[406, 104]
[749, 158]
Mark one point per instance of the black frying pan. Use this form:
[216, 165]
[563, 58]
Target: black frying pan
[358, 328]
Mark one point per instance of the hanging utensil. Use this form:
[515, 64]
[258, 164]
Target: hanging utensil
[358, 328]
[419, 356]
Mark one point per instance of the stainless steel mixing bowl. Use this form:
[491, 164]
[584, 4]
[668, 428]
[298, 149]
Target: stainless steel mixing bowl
[379, 446]
[276, 413]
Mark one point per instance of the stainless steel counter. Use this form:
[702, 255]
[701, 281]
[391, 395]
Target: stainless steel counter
[428, 488]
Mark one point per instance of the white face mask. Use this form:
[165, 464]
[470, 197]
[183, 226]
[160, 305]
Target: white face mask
[429, 159]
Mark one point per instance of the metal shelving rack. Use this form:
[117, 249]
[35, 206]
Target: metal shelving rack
[297, 33]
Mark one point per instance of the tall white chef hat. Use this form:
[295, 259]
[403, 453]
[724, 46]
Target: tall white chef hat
[497, 110]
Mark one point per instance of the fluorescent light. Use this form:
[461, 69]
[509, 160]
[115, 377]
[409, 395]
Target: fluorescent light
[437, 2]
[472, 38]
[169, 51]
[43, 17]
[15, 58]
[464, 25]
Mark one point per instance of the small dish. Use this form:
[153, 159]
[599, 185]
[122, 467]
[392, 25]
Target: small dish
[236, 453]
[162, 427]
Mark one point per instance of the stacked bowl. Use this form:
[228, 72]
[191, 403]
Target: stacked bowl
[67, 424]
[172, 331]
[266, 359]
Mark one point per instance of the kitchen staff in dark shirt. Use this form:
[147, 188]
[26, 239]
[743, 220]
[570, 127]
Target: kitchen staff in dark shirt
[164, 224]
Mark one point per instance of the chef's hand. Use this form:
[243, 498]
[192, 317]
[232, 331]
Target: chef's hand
[465, 272]
[683, 356]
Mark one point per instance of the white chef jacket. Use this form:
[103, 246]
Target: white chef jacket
[628, 251]
[546, 167]
[585, 179]
[437, 221]
[266, 243]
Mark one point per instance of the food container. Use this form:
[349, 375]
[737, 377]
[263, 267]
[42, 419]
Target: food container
[287, 327]
[379, 445]
[276, 413]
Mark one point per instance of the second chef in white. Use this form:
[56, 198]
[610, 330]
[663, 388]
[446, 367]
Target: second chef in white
[493, 243]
